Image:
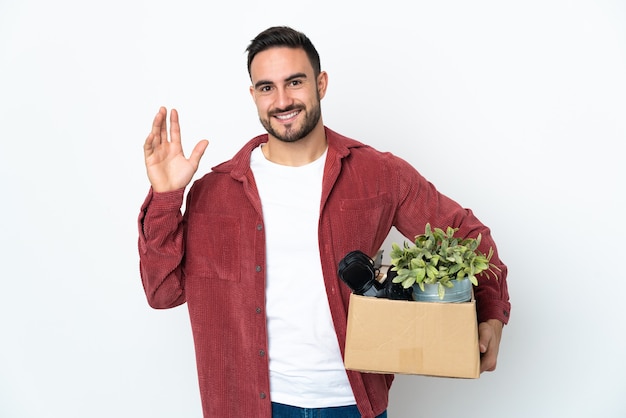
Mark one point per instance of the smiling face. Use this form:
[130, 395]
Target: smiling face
[286, 93]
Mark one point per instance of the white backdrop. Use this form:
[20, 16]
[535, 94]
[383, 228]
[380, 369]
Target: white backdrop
[515, 109]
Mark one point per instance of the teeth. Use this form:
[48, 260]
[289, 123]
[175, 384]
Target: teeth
[287, 116]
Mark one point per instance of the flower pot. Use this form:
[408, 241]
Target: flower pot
[461, 292]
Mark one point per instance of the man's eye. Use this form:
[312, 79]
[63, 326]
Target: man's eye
[264, 89]
[295, 83]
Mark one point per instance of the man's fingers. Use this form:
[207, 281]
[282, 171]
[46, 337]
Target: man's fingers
[148, 145]
[159, 135]
[158, 132]
[489, 334]
[174, 126]
[160, 125]
[154, 137]
[198, 152]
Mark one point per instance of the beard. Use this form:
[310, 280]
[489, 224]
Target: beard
[292, 133]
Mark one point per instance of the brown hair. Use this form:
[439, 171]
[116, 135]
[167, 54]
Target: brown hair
[283, 36]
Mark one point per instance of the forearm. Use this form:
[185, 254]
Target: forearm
[492, 297]
[161, 249]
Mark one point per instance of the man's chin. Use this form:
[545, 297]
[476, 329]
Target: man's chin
[286, 134]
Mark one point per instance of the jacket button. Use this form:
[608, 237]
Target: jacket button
[259, 227]
[258, 268]
[261, 353]
[258, 309]
[262, 395]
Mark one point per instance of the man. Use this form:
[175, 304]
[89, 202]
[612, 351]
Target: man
[255, 254]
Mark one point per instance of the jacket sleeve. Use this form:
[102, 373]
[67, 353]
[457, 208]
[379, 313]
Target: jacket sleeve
[161, 249]
[422, 203]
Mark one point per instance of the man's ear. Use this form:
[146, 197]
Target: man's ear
[322, 84]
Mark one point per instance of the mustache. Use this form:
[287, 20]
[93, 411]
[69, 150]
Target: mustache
[285, 110]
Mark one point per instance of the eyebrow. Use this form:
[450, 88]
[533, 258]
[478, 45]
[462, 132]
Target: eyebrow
[288, 79]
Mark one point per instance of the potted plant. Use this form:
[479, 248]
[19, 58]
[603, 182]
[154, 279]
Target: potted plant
[439, 261]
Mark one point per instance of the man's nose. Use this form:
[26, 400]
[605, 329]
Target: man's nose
[283, 98]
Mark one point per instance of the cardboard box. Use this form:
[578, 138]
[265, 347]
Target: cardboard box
[407, 337]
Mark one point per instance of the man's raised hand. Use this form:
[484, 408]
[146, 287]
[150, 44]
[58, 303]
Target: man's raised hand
[167, 167]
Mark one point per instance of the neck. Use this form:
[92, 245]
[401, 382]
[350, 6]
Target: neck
[298, 153]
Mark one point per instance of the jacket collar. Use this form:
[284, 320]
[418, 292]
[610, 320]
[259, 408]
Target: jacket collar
[339, 147]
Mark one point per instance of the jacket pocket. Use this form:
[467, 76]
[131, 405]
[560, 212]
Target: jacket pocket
[362, 220]
[212, 247]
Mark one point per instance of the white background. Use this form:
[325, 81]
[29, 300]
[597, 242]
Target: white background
[515, 109]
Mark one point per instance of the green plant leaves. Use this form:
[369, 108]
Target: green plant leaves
[439, 257]
[473, 280]
[441, 290]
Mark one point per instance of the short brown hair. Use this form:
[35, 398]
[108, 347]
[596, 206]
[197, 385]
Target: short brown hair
[284, 36]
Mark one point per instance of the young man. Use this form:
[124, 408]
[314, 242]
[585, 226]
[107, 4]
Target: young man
[255, 254]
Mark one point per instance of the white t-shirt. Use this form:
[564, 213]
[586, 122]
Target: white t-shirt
[306, 368]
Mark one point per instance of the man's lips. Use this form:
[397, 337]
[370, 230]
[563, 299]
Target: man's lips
[287, 116]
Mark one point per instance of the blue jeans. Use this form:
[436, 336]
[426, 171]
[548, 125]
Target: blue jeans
[286, 411]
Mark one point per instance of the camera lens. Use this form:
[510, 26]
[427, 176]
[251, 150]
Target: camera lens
[357, 270]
